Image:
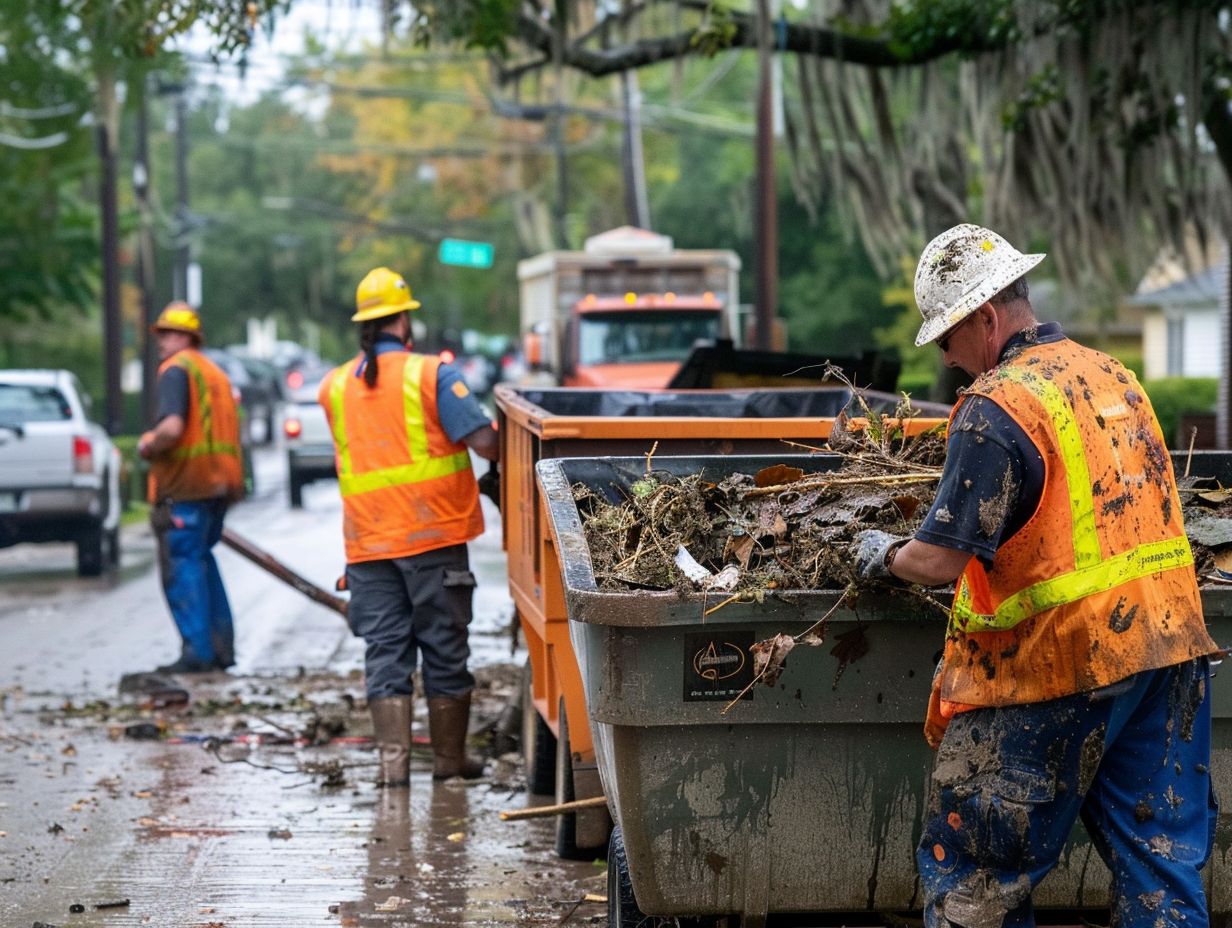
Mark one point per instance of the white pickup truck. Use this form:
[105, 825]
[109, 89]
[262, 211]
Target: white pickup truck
[59, 472]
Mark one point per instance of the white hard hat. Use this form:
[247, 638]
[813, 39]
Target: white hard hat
[959, 271]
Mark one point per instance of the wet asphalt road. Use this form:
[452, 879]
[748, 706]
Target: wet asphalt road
[194, 832]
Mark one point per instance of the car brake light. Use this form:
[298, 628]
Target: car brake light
[295, 380]
[292, 428]
[447, 356]
[83, 455]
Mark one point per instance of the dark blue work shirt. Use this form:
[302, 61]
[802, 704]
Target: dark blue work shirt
[994, 474]
[458, 410]
[172, 393]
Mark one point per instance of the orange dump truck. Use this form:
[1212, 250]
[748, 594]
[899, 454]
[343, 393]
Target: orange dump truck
[539, 423]
[625, 311]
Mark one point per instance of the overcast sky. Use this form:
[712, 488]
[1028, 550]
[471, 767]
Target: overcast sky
[341, 25]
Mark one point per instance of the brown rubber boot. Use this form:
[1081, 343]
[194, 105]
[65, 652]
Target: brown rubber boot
[391, 726]
[448, 717]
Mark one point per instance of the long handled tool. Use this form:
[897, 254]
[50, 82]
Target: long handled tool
[284, 573]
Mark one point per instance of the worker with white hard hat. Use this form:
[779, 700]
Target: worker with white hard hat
[1075, 677]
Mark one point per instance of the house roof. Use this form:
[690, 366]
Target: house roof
[1202, 288]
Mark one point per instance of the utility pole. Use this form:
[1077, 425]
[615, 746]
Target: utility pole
[145, 259]
[182, 250]
[113, 342]
[766, 226]
[637, 206]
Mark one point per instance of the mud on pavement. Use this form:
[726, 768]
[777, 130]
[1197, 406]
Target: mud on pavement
[250, 803]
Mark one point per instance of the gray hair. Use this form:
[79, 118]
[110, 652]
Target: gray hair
[1010, 294]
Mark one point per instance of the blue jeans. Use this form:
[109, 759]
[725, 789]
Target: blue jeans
[409, 607]
[191, 581]
[1132, 760]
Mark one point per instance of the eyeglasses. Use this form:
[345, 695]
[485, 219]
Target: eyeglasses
[944, 341]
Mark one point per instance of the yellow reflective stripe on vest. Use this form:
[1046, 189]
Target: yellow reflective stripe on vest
[1077, 474]
[1092, 574]
[1142, 561]
[205, 409]
[422, 467]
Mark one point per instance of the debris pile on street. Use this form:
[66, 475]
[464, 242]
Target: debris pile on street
[779, 529]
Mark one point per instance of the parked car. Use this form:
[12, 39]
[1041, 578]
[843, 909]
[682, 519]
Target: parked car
[59, 471]
[259, 392]
[310, 446]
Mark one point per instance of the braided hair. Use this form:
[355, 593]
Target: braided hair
[368, 331]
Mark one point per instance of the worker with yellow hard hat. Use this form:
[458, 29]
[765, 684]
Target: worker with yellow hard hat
[404, 425]
[195, 472]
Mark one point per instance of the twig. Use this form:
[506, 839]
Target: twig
[757, 679]
[816, 482]
[561, 808]
[729, 600]
[798, 444]
[1193, 436]
[653, 449]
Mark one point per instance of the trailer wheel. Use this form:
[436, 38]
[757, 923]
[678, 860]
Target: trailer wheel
[567, 846]
[622, 909]
[538, 744]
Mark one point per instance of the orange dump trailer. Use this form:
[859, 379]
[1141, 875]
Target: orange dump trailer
[539, 423]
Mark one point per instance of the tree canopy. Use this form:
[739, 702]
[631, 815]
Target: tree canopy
[1101, 128]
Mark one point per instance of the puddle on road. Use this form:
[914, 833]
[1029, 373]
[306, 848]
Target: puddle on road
[243, 831]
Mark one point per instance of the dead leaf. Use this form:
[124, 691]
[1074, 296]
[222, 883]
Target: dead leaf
[770, 657]
[740, 547]
[457, 836]
[776, 475]
[906, 506]
[1223, 559]
[852, 645]
[1216, 497]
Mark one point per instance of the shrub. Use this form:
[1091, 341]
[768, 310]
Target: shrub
[1173, 397]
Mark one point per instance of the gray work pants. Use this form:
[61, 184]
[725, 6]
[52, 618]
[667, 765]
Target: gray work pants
[409, 607]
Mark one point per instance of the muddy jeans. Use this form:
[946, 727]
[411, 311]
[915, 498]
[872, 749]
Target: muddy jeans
[186, 533]
[409, 605]
[1132, 760]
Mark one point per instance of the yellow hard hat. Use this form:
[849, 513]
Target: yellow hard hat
[178, 316]
[382, 293]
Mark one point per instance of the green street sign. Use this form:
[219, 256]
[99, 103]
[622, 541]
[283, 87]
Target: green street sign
[465, 254]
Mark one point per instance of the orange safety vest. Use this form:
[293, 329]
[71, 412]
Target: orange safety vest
[406, 487]
[1099, 583]
[205, 462]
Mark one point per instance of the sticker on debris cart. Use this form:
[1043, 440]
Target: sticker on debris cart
[718, 665]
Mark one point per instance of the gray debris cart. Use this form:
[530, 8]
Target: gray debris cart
[804, 798]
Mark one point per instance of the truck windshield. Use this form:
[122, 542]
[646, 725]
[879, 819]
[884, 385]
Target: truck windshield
[629, 336]
[21, 403]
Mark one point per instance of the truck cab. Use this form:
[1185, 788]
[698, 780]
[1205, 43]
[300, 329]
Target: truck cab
[626, 311]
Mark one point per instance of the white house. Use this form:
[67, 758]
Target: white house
[1181, 334]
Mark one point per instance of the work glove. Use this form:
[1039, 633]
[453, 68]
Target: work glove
[489, 483]
[871, 548]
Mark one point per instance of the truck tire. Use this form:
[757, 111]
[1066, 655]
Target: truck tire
[538, 744]
[92, 550]
[295, 487]
[112, 545]
[567, 847]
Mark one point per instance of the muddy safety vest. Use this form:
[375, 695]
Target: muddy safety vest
[205, 463]
[406, 487]
[1099, 583]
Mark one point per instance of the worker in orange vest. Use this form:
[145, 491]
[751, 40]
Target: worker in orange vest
[403, 425]
[1075, 677]
[195, 473]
